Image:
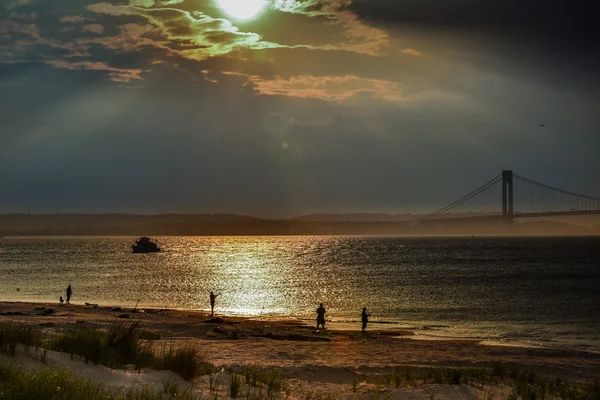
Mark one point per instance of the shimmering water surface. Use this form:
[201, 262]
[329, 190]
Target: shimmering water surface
[527, 290]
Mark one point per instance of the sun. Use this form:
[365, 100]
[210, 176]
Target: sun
[242, 9]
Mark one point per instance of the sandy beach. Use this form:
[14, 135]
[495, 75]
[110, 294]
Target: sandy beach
[309, 357]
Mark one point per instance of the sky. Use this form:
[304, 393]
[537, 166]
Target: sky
[339, 106]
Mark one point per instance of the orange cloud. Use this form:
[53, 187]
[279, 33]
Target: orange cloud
[362, 38]
[94, 28]
[328, 88]
[72, 19]
[114, 74]
[411, 52]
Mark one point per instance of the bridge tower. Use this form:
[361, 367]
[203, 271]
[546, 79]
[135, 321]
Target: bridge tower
[507, 196]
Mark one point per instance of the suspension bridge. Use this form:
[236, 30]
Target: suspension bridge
[521, 197]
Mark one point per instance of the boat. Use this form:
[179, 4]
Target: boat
[145, 245]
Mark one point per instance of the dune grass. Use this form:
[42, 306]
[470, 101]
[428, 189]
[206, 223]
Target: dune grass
[12, 334]
[115, 347]
[524, 383]
[17, 382]
[119, 345]
[185, 360]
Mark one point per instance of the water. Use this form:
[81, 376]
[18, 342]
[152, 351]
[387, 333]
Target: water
[538, 291]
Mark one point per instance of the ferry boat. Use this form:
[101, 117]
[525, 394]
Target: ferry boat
[145, 245]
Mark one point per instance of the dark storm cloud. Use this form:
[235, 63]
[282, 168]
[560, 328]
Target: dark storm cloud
[550, 40]
[568, 22]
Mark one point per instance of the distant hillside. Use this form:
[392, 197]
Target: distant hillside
[357, 217]
[239, 225]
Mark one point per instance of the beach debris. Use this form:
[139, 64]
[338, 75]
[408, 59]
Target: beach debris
[13, 313]
[293, 337]
[46, 312]
[80, 321]
[123, 316]
[218, 329]
[116, 309]
[92, 305]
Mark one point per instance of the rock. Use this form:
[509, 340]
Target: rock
[46, 324]
[80, 321]
[215, 320]
[218, 329]
[123, 316]
[129, 367]
[116, 309]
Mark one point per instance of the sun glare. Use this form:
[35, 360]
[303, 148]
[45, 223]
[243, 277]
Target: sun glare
[242, 9]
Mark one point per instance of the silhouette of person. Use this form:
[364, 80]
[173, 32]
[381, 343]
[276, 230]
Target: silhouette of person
[69, 293]
[365, 319]
[321, 316]
[60, 301]
[212, 302]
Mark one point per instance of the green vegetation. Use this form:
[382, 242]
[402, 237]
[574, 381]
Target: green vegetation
[50, 384]
[13, 334]
[272, 379]
[118, 346]
[186, 360]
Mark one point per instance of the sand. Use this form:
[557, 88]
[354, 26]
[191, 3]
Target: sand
[315, 360]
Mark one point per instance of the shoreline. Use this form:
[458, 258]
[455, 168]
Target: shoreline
[426, 332]
[289, 343]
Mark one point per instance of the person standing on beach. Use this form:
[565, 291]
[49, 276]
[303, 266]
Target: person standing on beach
[69, 293]
[365, 319]
[212, 302]
[321, 316]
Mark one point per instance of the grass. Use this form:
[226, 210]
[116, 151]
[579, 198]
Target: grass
[13, 334]
[17, 382]
[235, 383]
[119, 345]
[186, 361]
[525, 384]
[116, 347]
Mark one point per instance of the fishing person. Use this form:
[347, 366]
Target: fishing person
[213, 297]
[321, 316]
[69, 293]
[365, 319]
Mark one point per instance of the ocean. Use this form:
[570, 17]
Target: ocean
[537, 291]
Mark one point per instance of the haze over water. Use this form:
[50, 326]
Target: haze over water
[523, 290]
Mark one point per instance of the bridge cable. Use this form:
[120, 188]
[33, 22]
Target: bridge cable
[555, 188]
[469, 196]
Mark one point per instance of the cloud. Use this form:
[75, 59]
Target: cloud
[193, 35]
[362, 38]
[23, 16]
[115, 74]
[411, 52]
[72, 19]
[327, 88]
[17, 3]
[94, 28]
